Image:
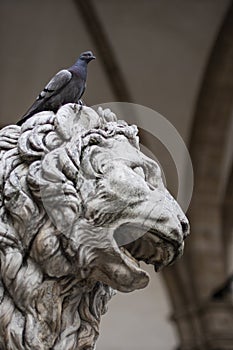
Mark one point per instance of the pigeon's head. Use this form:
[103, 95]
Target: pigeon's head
[87, 56]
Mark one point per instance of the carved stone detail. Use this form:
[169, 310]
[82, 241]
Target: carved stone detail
[80, 206]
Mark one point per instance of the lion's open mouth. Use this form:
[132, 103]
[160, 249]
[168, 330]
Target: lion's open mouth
[150, 246]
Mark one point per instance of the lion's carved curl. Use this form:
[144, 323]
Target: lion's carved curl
[80, 206]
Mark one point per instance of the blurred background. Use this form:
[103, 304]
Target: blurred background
[176, 57]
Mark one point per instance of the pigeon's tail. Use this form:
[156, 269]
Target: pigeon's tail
[30, 112]
[25, 117]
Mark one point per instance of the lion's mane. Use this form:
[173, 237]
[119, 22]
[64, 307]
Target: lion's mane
[40, 162]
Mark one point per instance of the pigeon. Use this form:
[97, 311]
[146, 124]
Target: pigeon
[67, 86]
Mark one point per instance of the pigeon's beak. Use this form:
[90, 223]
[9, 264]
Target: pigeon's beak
[93, 57]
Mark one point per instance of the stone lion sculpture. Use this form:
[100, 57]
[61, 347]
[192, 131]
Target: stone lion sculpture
[80, 206]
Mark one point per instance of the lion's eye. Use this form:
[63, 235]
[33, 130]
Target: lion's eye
[139, 170]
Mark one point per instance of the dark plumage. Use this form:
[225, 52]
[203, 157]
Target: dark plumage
[67, 86]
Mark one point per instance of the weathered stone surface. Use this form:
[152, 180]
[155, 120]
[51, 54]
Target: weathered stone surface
[80, 206]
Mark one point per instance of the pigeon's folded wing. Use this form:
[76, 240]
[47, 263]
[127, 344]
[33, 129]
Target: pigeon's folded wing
[55, 85]
[61, 79]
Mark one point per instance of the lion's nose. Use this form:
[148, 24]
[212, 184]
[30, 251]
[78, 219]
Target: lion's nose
[185, 227]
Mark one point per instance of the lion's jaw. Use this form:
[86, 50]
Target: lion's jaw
[67, 208]
[129, 214]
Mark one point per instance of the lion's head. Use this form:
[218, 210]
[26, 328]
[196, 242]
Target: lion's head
[81, 206]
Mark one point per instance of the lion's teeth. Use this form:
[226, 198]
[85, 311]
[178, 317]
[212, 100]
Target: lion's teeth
[127, 253]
